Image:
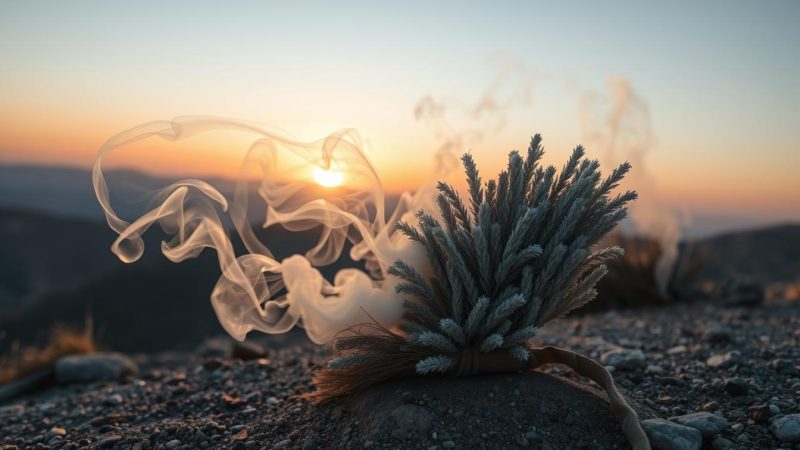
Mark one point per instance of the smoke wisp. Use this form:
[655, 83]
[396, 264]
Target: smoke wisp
[458, 125]
[619, 125]
[255, 291]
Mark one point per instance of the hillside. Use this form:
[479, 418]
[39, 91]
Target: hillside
[40, 254]
[766, 254]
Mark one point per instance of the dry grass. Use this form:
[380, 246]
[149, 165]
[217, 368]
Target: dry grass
[21, 361]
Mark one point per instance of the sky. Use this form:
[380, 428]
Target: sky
[719, 81]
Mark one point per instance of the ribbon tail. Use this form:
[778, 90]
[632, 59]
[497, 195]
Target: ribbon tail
[587, 367]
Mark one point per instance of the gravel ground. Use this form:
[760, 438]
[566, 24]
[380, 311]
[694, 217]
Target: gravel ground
[741, 364]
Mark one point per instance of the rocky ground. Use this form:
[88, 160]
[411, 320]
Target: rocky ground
[722, 377]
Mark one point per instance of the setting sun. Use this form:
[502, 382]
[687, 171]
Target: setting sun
[328, 178]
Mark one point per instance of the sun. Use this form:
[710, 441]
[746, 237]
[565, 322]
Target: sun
[328, 178]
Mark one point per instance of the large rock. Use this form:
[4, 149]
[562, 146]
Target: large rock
[90, 367]
[708, 424]
[787, 428]
[666, 435]
[473, 412]
[624, 359]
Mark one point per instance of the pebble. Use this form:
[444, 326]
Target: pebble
[720, 443]
[716, 334]
[736, 386]
[723, 361]
[91, 367]
[787, 428]
[248, 350]
[109, 441]
[309, 443]
[708, 424]
[410, 419]
[654, 369]
[173, 443]
[624, 359]
[710, 406]
[114, 400]
[760, 413]
[666, 435]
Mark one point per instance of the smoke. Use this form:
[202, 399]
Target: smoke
[255, 291]
[459, 125]
[619, 124]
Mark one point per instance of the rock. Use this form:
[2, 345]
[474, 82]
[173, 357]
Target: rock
[282, 444]
[108, 441]
[666, 435]
[716, 334]
[248, 350]
[760, 413]
[720, 443]
[114, 400]
[173, 443]
[677, 350]
[710, 406]
[90, 367]
[724, 361]
[741, 292]
[309, 443]
[624, 359]
[654, 369]
[787, 428]
[736, 386]
[410, 419]
[708, 424]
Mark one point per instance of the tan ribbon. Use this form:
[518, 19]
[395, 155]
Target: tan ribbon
[592, 370]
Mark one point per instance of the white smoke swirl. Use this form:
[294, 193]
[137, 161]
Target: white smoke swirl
[255, 291]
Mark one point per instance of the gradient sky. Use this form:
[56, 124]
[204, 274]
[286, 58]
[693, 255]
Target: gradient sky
[720, 80]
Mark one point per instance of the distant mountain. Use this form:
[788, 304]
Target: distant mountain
[766, 254]
[58, 270]
[39, 254]
[136, 308]
[68, 192]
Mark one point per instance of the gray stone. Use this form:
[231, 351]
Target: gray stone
[173, 443]
[624, 359]
[720, 443]
[724, 361]
[736, 386]
[787, 428]
[666, 435]
[717, 333]
[282, 444]
[706, 423]
[741, 291]
[90, 367]
[410, 419]
[248, 350]
[309, 444]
